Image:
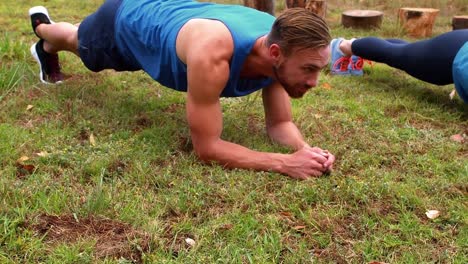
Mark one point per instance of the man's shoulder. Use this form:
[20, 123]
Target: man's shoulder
[206, 38]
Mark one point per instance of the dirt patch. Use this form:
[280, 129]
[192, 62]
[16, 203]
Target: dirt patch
[117, 167]
[395, 110]
[175, 241]
[173, 108]
[114, 239]
[142, 121]
[422, 123]
[83, 136]
[185, 144]
[255, 125]
[456, 190]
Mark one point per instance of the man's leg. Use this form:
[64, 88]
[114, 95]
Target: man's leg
[93, 40]
[356, 63]
[53, 38]
[59, 37]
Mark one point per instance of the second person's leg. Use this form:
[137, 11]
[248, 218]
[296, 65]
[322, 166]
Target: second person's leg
[428, 60]
[59, 37]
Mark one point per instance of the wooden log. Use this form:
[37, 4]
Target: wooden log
[417, 22]
[262, 5]
[365, 19]
[318, 7]
[459, 22]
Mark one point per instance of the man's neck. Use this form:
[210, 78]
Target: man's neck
[257, 64]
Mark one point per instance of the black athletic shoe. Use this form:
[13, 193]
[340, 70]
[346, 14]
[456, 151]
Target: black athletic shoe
[48, 63]
[39, 15]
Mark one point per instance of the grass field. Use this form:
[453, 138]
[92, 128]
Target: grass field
[100, 169]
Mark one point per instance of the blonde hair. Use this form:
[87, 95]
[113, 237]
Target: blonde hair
[299, 28]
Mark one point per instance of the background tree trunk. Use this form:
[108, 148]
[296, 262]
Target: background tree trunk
[262, 5]
[319, 7]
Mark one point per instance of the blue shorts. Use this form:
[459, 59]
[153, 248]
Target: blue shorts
[460, 72]
[96, 40]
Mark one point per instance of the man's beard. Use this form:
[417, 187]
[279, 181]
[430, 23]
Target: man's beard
[291, 90]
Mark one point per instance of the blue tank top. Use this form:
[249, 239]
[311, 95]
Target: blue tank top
[146, 32]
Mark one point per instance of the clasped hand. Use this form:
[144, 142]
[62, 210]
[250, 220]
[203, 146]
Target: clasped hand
[309, 162]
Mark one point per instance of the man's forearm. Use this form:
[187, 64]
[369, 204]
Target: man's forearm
[287, 134]
[301, 164]
[236, 156]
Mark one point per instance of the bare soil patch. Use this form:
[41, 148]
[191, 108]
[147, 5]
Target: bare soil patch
[114, 239]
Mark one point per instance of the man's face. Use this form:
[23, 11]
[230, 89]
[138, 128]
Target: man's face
[299, 72]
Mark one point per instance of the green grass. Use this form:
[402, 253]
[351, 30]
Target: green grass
[389, 132]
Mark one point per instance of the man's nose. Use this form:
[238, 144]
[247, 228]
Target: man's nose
[313, 80]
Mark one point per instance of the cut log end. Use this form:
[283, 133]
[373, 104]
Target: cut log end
[365, 19]
[417, 22]
[459, 22]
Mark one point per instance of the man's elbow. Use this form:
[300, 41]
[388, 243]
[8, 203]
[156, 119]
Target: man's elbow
[205, 154]
[272, 131]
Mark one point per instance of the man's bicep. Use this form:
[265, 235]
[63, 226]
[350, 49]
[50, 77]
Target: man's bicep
[205, 122]
[203, 106]
[207, 75]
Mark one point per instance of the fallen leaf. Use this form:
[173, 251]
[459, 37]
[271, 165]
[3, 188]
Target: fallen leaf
[286, 214]
[227, 226]
[29, 107]
[42, 154]
[22, 159]
[452, 94]
[432, 214]
[299, 227]
[29, 124]
[24, 169]
[190, 242]
[460, 138]
[92, 140]
[327, 86]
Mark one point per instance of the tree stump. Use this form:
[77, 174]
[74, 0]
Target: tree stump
[459, 22]
[262, 5]
[417, 22]
[365, 19]
[318, 7]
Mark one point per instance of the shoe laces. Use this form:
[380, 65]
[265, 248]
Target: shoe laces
[359, 64]
[341, 64]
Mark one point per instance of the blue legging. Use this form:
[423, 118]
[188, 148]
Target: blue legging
[428, 60]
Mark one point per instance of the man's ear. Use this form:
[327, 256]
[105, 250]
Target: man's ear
[275, 52]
